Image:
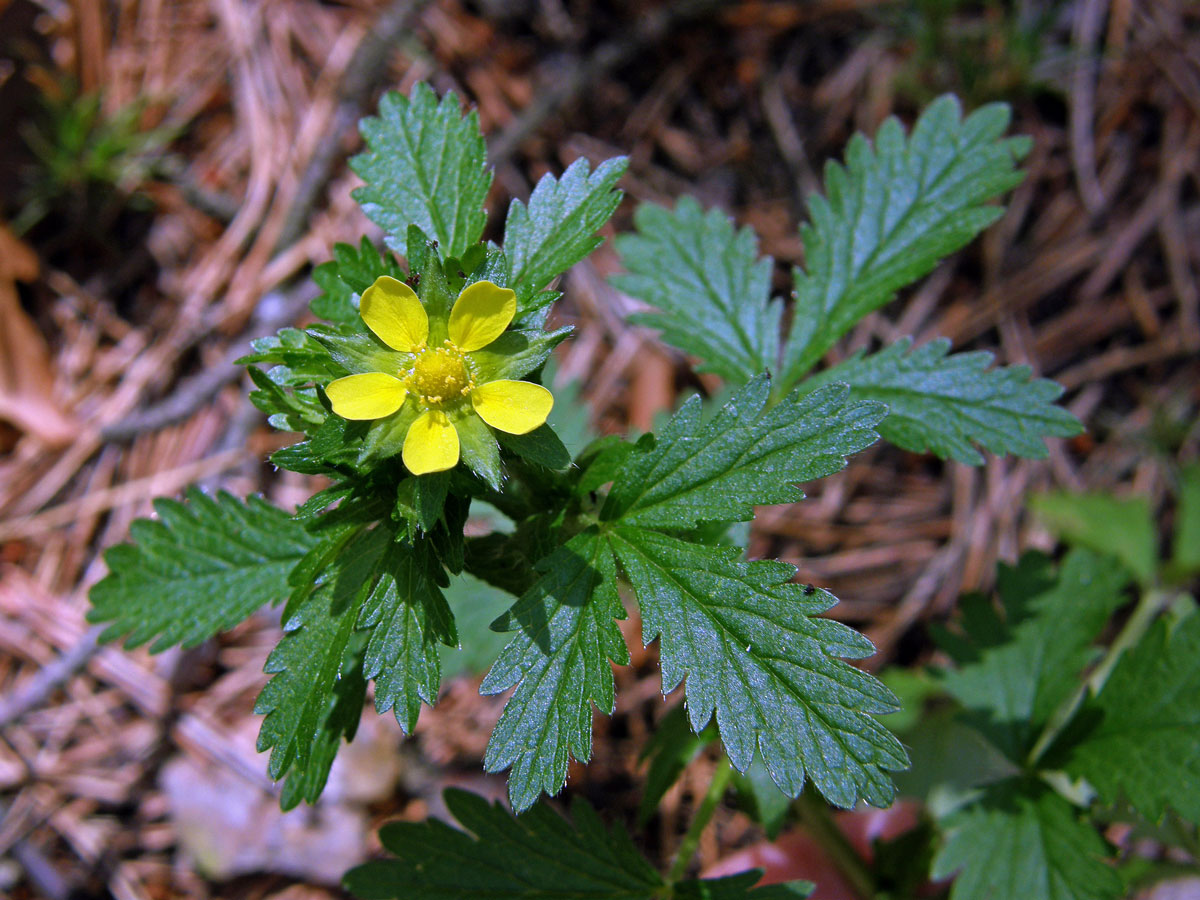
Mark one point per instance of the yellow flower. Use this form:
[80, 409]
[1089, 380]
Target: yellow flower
[441, 381]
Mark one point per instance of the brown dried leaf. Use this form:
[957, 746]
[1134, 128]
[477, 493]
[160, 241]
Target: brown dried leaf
[26, 377]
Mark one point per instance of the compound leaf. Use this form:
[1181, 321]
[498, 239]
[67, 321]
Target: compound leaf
[947, 404]
[754, 653]
[1143, 743]
[746, 455]
[559, 662]
[709, 285]
[1023, 840]
[558, 227]
[538, 855]
[202, 567]
[425, 165]
[891, 214]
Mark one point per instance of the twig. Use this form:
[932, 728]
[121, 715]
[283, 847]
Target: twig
[49, 678]
[162, 482]
[274, 311]
[652, 27]
[354, 93]
[1089, 19]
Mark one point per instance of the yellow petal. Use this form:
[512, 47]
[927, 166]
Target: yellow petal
[517, 407]
[369, 396]
[393, 312]
[480, 315]
[431, 444]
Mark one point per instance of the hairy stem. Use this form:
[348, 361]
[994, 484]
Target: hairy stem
[817, 821]
[704, 814]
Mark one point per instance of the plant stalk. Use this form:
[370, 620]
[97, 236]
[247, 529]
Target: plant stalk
[704, 814]
[1152, 602]
[817, 821]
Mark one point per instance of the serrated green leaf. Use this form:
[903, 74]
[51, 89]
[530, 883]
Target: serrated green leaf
[559, 663]
[539, 855]
[746, 455]
[1026, 666]
[314, 652]
[408, 617]
[891, 214]
[425, 165]
[202, 567]
[709, 285]
[1022, 840]
[285, 410]
[947, 404]
[755, 655]
[351, 272]
[338, 723]
[760, 799]
[1121, 528]
[540, 446]
[1141, 732]
[558, 227]
[1186, 556]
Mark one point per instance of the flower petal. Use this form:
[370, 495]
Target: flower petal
[480, 315]
[372, 395]
[431, 444]
[517, 407]
[391, 310]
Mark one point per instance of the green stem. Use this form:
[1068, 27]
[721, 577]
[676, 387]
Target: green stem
[817, 821]
[704, 814]
[1152, 602]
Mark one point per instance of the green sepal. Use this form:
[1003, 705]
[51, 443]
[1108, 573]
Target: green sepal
[358, 351]
[477, 445]
[494, 268]
[385, 437]
[460, 270]
[515, 354]
[432, 286]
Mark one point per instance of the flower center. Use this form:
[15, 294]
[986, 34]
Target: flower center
[440, 375]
